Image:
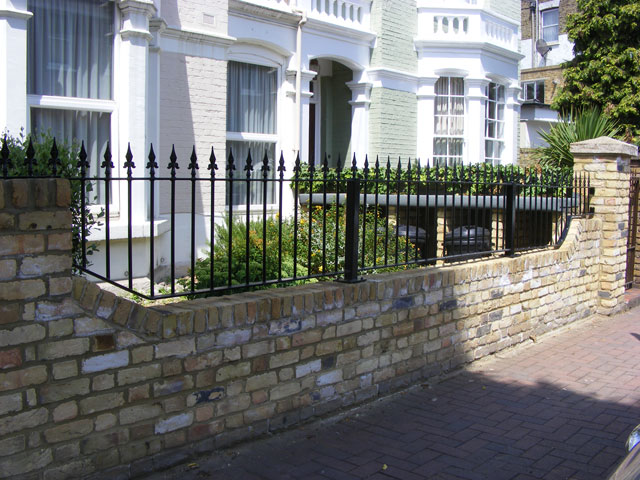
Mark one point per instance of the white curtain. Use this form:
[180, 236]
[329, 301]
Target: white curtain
[92, 128]
[448, 120]
[251, 98]
[251, 108]
[70, 46]
[70, 50]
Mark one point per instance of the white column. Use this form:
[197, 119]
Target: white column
[305, 96]
[13, 65]
[132, 89]
[360, 102]
[474, 119]
[426, 110]
[511, 122]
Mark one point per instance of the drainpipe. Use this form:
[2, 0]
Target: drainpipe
[534, 9]
[302, 21]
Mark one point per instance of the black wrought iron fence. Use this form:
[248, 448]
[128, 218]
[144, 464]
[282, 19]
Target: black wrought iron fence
[260, 224]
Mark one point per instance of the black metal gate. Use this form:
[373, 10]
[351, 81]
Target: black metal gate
[632, 232]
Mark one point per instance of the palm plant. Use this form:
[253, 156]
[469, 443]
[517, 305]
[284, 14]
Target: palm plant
[576, 126]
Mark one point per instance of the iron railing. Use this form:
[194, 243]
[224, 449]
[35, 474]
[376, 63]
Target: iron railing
[256, 226]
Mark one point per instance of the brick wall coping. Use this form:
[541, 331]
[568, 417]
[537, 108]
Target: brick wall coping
[269, 306]
[604, 146]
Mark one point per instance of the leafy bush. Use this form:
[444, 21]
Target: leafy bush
[67, 167]
[474, 179]
[577, 126]
[303, 244]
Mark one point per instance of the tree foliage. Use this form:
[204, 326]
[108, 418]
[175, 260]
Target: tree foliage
[605, 71]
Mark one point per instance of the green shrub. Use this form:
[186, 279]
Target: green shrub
[473, 179]
[301, 255]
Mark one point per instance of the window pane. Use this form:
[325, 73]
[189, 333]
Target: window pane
[240, 153]
[92, 128]
[251, 98]
[457, 86]
[70, 48]
[540, 91]
[529, 91]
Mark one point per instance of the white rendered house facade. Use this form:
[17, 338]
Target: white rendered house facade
[429, 79]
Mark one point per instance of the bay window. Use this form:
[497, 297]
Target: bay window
[251, 127]
[70, 70]
[494, 123]
[448, 141]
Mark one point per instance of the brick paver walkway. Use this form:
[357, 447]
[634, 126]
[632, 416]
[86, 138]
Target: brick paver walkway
[558, 409]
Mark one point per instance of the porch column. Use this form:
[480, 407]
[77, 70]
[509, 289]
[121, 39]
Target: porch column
[13, 65]
[607, 161]
[360, 102]
[132, 80]
[474, 119]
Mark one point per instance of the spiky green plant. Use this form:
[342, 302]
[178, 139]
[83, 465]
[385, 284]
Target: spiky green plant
[577, 126]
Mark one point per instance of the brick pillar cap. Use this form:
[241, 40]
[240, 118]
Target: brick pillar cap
[604, 146]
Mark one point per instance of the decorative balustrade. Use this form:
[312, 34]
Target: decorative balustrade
[353, 13]
[468, 24]
[450, 25]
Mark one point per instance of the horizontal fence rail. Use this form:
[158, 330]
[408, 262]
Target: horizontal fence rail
[262, 225]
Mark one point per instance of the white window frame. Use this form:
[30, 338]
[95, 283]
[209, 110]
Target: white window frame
[263, 57]
[536, 84]
[92, 105]
[450, 158]
[544, 11]
[499, 139]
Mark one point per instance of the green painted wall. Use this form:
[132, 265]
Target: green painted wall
[395, 22]
[336, 114]
[393, 117]
[508, 8]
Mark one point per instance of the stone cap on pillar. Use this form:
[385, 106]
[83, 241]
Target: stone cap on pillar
[604, 146]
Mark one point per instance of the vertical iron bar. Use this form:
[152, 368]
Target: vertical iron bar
[386, 227]
[29, 158]
[364, 210]
[296, 188]
[338, 214]
[107, 165]
[281, 170]
[230, 167]
[351, 234]
[193, 166]
[325, 168]
[173, 166]
[310, 206]
[213, 166]
[417, 189]
[249, 169]
[377, 210]
[265, 183]
[407, 217]
[509, 218]
[398, 184]
[4, 157]
[152, 165]
[129, 165]
[83, 164]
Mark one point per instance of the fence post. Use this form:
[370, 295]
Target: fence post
[351, 233]
[607, 161]
[509, 219]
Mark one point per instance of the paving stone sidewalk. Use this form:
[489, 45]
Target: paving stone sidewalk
[558, 409]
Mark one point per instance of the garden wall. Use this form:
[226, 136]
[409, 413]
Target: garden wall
[93, 384]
